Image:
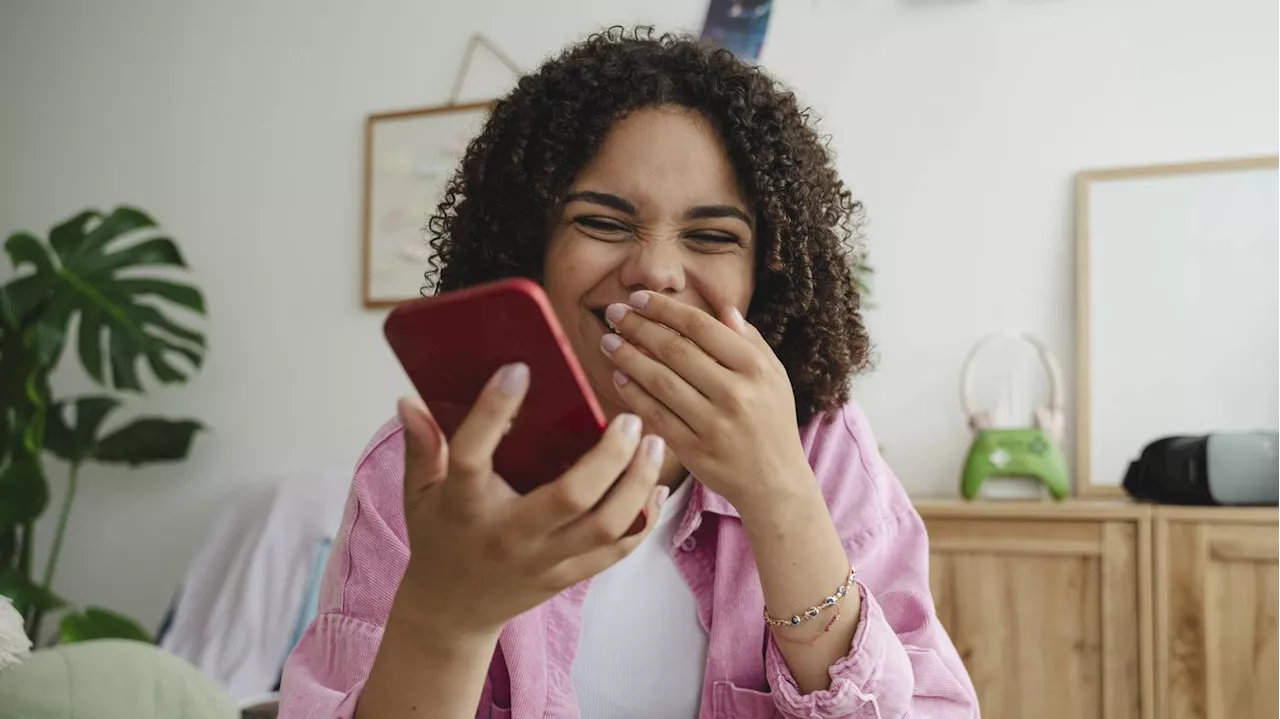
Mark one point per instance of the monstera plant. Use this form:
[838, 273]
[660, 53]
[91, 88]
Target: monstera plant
[114, 280]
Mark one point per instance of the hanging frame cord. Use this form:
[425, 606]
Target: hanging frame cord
[476, 41]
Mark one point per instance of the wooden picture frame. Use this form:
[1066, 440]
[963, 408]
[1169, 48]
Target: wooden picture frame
[409, 155]
[1085, 181]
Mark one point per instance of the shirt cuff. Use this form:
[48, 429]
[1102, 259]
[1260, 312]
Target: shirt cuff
[873, 679]
[326, 672]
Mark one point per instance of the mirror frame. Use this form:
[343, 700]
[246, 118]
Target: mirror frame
[1084, 486]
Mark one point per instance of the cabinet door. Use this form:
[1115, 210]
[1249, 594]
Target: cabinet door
[1216, 620]
[1046, 614]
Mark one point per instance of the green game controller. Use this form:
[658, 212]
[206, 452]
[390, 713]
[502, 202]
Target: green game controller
[1014, 453]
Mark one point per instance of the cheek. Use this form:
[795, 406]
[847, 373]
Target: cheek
[725, 281]
[572, 267]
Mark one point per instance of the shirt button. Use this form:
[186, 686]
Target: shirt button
[689, 544]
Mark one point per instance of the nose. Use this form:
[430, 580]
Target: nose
[654, 266]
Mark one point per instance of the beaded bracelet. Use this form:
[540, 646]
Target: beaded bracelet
[813, 639]
[813, 612]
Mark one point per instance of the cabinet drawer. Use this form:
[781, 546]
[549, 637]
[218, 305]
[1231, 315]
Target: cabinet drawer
[1044, 614]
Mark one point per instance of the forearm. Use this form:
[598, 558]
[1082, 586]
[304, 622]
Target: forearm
[423, 673]
[801, 562]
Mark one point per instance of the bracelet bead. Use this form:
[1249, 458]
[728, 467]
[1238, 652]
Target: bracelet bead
[813, 612]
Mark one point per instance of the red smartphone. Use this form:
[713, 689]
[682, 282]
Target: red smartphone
[451, 345]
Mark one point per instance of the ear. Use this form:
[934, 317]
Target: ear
[979, 421]
[1051, 422]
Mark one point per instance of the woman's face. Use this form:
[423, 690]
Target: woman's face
[658, 208]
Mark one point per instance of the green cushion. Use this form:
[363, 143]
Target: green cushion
[110, 679]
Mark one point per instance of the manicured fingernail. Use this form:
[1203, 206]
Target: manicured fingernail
[515, 378]
[619, 378]
[654, 449]
[630, 425]
[615, 312]
[403, 409]
[610, 342]
[639, 299]
[737, 317]
[411, 404]
[663, 492]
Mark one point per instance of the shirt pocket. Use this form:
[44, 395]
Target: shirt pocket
[732, 702]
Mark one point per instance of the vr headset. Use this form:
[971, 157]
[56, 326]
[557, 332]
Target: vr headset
[1226, 468]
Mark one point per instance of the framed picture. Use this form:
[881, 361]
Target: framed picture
[408, 157]
[738, 25]
[1176, 317]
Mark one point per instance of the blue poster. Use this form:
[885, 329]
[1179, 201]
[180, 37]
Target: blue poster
[738, 25]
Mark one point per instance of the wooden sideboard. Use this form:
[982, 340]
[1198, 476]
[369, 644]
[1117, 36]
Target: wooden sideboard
[1109, 609]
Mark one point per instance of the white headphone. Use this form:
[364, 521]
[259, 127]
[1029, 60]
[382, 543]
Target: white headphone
[1051, 419]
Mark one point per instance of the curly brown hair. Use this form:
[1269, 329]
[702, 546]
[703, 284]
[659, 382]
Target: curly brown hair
[537, 138]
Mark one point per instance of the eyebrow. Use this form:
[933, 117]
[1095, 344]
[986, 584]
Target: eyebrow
[711, 212]
[700, 212]
[603, 198]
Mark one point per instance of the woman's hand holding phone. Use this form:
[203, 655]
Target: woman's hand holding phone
[480, 553]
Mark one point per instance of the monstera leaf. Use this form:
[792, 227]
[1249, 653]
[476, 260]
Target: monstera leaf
[92, 272]
[24, 384]
[25, 593]
[145, 440]
[115, 275]
[24, 492]
[99, 623]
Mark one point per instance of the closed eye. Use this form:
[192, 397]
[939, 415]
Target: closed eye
[601, 225]
[715, 239]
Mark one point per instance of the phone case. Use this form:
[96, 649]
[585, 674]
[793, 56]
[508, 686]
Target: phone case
[452, 344]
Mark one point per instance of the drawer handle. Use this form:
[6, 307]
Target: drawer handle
[1232, 550]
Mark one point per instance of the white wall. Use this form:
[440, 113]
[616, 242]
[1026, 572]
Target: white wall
[238, 125]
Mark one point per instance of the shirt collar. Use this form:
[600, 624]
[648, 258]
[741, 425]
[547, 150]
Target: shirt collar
[701, 500]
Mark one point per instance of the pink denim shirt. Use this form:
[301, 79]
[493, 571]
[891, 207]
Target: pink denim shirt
[901, 662]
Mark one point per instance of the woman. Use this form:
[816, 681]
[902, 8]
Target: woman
[660, 191]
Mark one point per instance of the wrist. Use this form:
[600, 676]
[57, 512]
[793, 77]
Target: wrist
[780, 496]
[423, 662]
[414, 614]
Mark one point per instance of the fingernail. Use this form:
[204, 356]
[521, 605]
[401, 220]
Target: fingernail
[738, 319]
[663, 492]
[619, 378]
[639, 299]
[630, 426]
[654, 449]
[411, 404]
[615, 312]
[610, 342]
[403, 407]
[515, 378]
